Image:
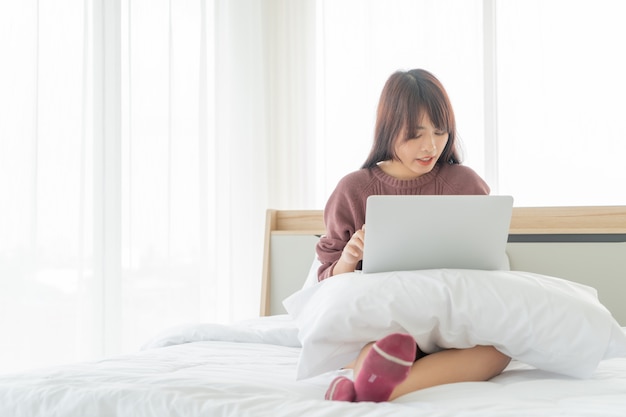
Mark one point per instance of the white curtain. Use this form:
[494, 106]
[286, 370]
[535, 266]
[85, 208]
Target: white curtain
[46, 205]
[140, 144]
[561, 101]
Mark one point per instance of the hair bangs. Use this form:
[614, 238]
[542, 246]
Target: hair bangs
[429, 101]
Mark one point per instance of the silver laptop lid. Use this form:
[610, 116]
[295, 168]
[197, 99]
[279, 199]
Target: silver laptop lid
[436, 231]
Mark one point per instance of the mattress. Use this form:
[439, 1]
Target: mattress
[249, 369]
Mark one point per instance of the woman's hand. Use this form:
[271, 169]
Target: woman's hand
[352, 253]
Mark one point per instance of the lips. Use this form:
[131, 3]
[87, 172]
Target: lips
[425, 161]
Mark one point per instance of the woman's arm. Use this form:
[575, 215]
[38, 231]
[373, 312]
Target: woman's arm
[341, 248]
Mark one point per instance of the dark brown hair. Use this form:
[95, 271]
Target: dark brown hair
[403, 101]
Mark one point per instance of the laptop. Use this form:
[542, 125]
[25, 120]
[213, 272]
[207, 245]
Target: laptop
[404, 233]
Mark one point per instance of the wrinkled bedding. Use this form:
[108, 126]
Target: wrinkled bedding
[249, 369]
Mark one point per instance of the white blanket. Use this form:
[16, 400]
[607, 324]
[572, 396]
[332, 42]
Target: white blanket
[194, 375]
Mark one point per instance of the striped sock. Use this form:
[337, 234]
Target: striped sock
[341, 389]
[386, 365]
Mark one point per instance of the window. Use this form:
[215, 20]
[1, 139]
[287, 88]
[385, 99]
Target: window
[561, 101]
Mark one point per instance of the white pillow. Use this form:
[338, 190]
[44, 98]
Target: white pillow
[550, 323]
[311, 278]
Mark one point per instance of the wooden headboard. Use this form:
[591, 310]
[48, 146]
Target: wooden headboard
[582, 244]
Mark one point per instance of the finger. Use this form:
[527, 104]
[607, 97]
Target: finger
[354, 248]
[349, 256]
[354, 252]
[355, 244]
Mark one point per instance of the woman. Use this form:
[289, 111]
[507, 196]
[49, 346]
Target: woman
[414, 152]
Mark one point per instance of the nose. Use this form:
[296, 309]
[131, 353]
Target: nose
[429, 145]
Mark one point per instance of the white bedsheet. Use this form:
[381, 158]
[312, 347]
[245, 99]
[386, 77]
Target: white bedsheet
[193, 376]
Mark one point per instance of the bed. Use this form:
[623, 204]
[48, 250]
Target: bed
[254, 367]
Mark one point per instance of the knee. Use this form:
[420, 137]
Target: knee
[499, 360]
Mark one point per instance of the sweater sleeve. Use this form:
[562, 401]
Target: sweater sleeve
[343, 215]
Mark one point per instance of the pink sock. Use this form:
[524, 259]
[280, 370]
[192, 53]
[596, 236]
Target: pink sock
[341, 389]
[386, 365]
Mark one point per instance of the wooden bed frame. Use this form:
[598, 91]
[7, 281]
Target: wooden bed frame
[582, 244]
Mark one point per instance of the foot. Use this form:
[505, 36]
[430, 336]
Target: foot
[386, 365]
[341, 389]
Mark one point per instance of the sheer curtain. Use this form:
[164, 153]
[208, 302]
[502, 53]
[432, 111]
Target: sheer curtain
[194, 176]
[561, 101]
[47, 287]
[140, 144]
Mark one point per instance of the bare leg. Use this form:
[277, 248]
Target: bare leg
[479, 363]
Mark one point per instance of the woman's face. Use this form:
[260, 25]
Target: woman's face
[417, 156]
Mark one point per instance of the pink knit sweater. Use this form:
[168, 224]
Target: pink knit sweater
[345, 210]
